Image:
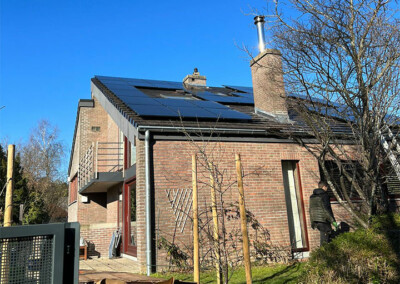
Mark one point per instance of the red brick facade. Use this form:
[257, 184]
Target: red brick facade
[263, 184]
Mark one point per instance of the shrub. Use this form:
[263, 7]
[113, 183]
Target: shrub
[364, 256]
[386, 222]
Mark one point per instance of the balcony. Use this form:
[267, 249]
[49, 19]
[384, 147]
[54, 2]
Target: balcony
[101, 167]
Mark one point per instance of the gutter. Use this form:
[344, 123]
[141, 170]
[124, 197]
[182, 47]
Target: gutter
[202, 129]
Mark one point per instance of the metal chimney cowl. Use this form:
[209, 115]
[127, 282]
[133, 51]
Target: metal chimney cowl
[259, 22]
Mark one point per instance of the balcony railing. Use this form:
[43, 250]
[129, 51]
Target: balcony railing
[101, 157]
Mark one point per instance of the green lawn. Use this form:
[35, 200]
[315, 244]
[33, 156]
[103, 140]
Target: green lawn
[274, 273]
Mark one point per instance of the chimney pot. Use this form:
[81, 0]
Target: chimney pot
[195, 79]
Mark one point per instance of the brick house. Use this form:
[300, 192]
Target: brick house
[131, 157]
[129, 154]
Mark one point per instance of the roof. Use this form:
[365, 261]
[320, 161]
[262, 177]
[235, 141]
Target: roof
[172, 104]
[227, 111]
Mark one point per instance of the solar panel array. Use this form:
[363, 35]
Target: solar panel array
[207, 107]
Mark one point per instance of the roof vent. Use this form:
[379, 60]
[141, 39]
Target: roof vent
[195, 79]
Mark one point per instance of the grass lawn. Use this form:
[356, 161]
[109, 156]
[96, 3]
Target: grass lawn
[274, 273]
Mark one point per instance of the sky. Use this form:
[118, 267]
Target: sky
[49, 51]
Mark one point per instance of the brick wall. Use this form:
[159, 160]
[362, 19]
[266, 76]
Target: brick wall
[98, 238]
[112, 204]
[263, 185]
[140, 203]
[98, 217]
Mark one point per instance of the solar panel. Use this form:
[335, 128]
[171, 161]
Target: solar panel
[166, 85]
[138, 101]
[193, 112]
[144, 105]
[112, 82]
[156, 84]
[224, 99]
[114, 87]
[130, 93]
[175, 102]
[230, 114]
[315, 100]
[207, 104]
[244, 95]
[240, 88]
[153, 110]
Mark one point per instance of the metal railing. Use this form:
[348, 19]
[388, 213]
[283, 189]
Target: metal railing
[100, 157]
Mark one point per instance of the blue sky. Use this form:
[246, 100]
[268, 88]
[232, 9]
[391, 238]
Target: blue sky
[49, 51]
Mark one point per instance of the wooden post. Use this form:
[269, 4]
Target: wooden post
[7, 214]
[10, 186]
[215, 220]
[246, 251]
[196, 255]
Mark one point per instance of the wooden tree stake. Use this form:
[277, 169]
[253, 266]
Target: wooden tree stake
[215, 220]
[246, 250]
[196, 258]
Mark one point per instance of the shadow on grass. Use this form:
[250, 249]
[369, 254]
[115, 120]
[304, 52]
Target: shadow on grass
[278, 276]
[392, 233]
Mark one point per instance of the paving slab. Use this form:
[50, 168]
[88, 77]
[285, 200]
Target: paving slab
[96, 276]
[105, 264]
[123, 269]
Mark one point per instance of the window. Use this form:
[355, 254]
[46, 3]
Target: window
[96, 128]
[130, 153]
[295, 206]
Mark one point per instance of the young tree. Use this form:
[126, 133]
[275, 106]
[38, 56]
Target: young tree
[342, 57]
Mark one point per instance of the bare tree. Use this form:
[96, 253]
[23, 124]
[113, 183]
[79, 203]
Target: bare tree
[341, 60]
[42, 158]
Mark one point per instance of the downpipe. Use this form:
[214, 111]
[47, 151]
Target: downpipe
[148, 202]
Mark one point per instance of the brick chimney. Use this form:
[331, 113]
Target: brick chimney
[267, 76]
[195, 79]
